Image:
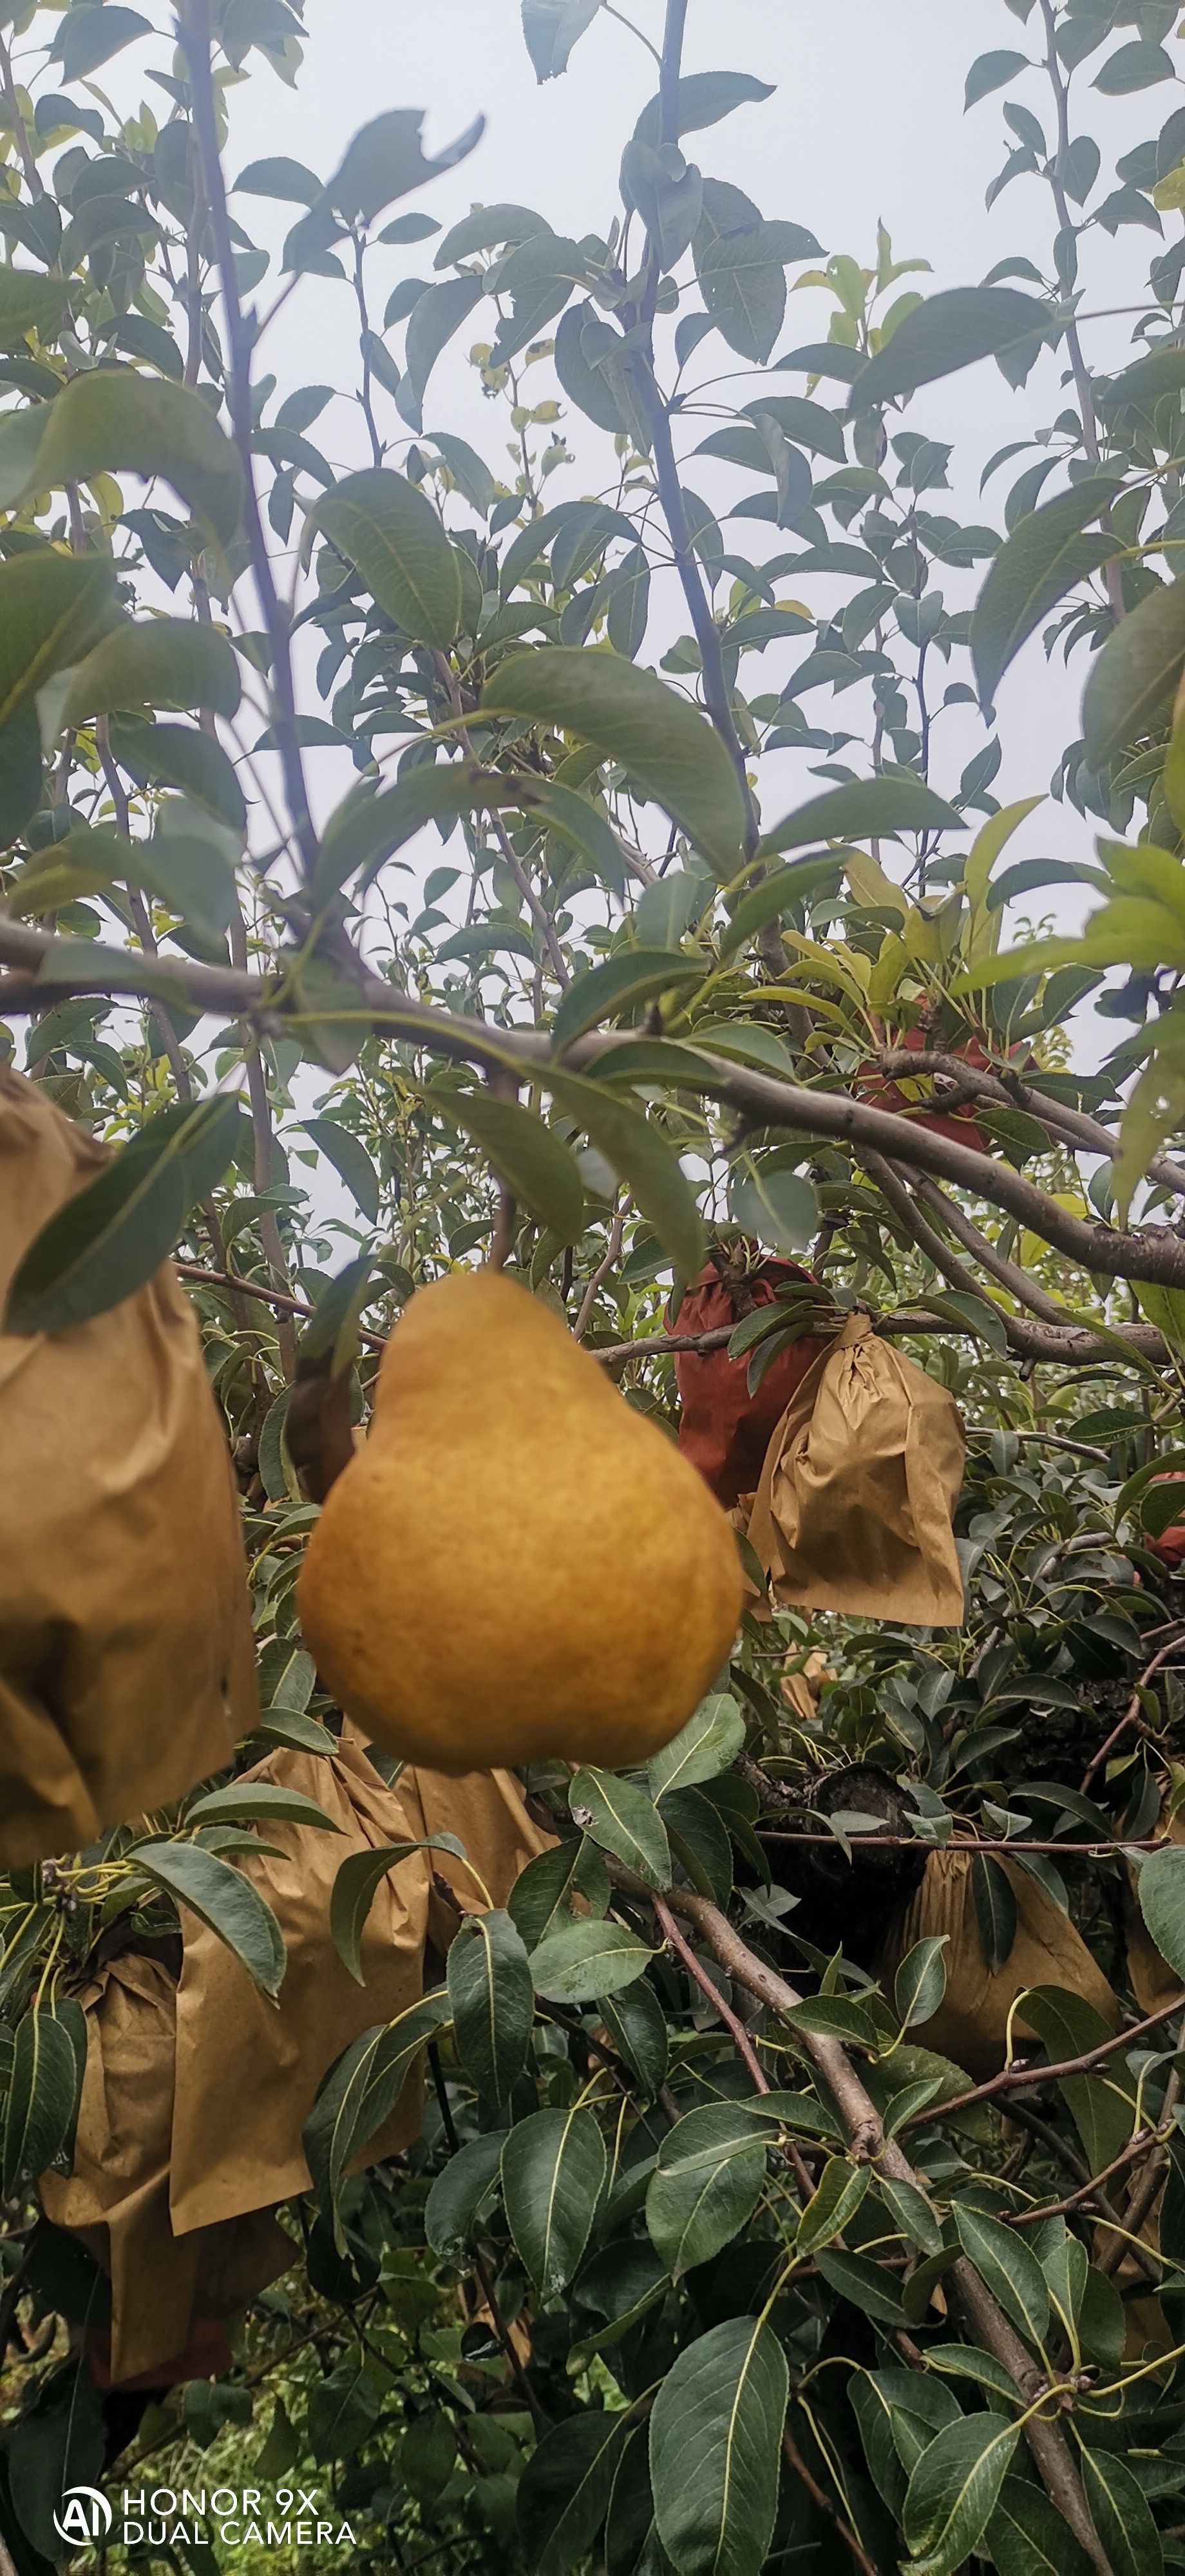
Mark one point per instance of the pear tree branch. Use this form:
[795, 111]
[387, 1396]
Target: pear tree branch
[46, 963]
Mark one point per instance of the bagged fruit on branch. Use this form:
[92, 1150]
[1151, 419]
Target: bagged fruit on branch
[248, 2070]
[855, 1505]
[517, 1564]
[127, 1666]
[725, 1429]
[196, 2093]
[117, 2196]
[972, 2021]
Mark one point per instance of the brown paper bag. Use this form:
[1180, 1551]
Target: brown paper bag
[854, 1508]
[117, 2197]
[248, 2071]
[971, 2023]
[194, 2097]
[127, 1667]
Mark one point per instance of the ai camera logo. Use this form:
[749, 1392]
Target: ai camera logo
[85, 2515]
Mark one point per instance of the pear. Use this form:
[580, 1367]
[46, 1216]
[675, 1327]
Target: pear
[516, 1563]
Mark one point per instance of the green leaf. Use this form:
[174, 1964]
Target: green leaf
[84, 863]
[386, 160]
[920, 1982]
[573, 818]
[716, 2449]
[779, 1208]
[1136, 66]
[1121, 2514]
[164, 662]
[708, 1744]
[954, 2490]
[21, 434]
[670, 751]
[115, 419]
[43, 2089]
[623, 1820]
[1141, 386]
[989, 72]
[564, 2491]
[52, 609]
[639, 1152]
[863, 2284]
[105, 1242]
[1011, 2271]
[637, 2026]
[740, 265]
[529, 1158]
[357, 1884]
[629, 602]
[225, 1901]
[1026, 2535]
[90, 35]
[586, 383]
[361, 2091]
[487, 228]
[1161, 1890]
[469, 471]
[20, 773]
[586, 1960]
[553, 2167]
[867, 808]
[279, 177]
[995, 1910]
[350, 1161]
[614, 989]
[1133, 678]
[551, 28]
[29, 302]
[457, 2194]
[258, 1802]
[343, 2409]
[392, 536]
[365, 830]
[708, 2180]
[1103, 2111]
[538, 1902]
[493, 2004]
[836, 2199]
[435, 317]
[948, 332]
[171, 755]
[1044, 557]
[702, 99]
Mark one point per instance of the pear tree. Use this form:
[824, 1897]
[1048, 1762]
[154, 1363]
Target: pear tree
[573, 851]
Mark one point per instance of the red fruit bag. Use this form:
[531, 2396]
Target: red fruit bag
[725, 1431]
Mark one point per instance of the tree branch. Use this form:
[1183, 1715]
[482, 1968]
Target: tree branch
[193, 27]
[819, 2497]
[1056, 174]
[868, 2143]
[1157, 1253]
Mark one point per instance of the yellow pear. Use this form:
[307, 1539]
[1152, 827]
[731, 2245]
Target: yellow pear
[516, 1563]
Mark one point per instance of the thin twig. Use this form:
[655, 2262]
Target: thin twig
[193, 24]
[1132, 1713]
[608, 1262]
[712, 1995]
[866, 2564]
[1010, 2077]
